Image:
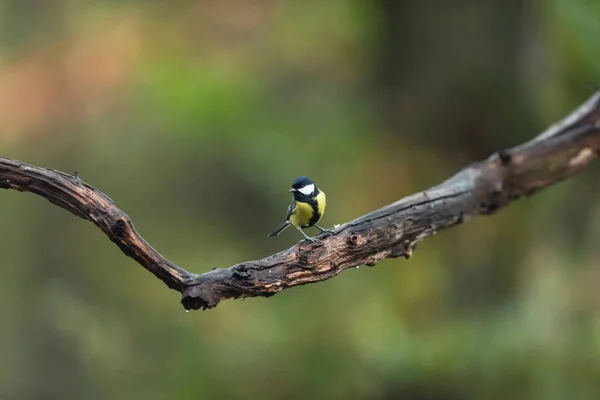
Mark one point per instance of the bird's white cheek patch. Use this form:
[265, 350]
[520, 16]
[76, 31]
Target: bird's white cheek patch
[307, 190]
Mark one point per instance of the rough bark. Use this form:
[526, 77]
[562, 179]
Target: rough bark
[392, 231]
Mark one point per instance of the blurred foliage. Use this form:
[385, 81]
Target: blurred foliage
[195, 116]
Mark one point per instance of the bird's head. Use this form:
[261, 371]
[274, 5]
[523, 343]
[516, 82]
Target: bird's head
[303, 187]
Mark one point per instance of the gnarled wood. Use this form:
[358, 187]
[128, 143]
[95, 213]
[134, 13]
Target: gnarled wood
[392, 231]
[68, 191]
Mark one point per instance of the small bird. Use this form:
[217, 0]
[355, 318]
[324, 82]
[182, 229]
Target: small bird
[306, 209]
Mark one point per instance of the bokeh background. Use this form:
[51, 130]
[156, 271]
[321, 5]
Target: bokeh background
[195, 116]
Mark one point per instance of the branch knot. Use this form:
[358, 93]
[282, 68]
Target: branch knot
[120, 227]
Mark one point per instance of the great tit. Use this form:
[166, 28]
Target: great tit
[306, 209]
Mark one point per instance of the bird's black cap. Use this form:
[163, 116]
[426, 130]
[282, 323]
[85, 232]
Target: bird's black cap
[301, 181]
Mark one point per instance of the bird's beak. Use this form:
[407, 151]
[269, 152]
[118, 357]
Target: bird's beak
[292, 190]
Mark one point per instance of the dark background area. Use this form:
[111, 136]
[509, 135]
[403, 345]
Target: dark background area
[195, 117]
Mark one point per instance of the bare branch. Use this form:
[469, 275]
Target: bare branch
[68, 191]
[392, 231]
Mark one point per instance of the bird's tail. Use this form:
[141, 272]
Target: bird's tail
[279, 229]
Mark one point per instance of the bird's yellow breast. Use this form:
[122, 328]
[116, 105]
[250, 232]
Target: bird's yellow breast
[304, 213]
[301, 215]
[321, 201]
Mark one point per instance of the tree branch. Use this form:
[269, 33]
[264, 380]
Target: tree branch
[392, 231]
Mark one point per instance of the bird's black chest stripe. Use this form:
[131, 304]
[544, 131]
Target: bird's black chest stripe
[316, 216]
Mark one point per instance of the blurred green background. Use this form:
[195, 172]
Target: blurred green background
[195, 116]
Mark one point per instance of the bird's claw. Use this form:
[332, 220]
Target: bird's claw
[323, 230]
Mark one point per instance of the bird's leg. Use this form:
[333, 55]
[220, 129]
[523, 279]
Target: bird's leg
[306, 236]
[323, 229]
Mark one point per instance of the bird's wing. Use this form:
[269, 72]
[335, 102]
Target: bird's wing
[291, 209]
